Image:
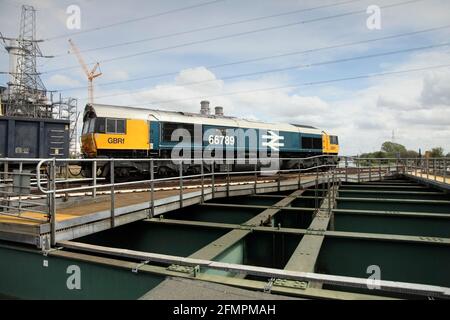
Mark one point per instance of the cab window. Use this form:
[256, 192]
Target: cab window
[100, 125]
[115, 126]
[110, 126]
[88, 126]
[85, 126]
[91, 125]
[120, 126]
[334, 140]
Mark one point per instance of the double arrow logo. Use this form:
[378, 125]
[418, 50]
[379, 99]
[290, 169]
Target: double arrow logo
[272, 141]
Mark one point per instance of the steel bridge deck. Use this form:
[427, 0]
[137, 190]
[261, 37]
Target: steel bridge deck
[272, 237]
[86, 216]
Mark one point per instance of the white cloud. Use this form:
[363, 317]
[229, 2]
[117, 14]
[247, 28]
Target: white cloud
[61, 81]
[364, 119]
[436, 89]
[363, 113]
[115, 75]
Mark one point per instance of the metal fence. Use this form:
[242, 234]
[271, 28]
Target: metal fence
[33, 188]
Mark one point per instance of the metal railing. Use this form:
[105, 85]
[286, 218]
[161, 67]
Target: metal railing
[47, 182]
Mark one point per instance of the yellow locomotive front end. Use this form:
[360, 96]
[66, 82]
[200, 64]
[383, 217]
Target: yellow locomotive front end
[330, 144]
[107, 136]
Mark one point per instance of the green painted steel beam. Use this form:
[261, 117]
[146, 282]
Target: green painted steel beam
[305, 256]
[251, 206]
[411, 201]
[345, 186]
[430, 182]
[343, 281]
[192, 223]
[257, 285]
[393, 213]
[392, 192]
[392, 181]
[215, 248]
[29, 274]
[389, 237]
[358, 235]
[267, 214]
[218, 246]
[267, 196]
[303, 232]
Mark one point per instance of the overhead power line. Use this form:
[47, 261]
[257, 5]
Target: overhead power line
[67, 35]
[304, 84]
[237, 34]
[336, 46]
[120, 44]
[301, 66]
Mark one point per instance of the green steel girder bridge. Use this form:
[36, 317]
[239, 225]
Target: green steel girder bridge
[367, 229]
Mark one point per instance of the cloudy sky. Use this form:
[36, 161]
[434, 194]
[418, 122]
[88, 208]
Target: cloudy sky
[312, 62]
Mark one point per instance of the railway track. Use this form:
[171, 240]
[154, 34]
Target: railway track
[188, 183]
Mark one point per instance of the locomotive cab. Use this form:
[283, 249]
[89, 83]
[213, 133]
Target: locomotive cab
[88, 146]
[105, 135]
[330, 144]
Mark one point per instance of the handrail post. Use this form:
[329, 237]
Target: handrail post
[279, 177]
[379, 169]
[203, 182]
[316, 200]
[434, 170]
[346, 169]
[358, 170]
[152, 188]
[415, 167]
[317, 169]
[228, 178]
[113, 196]
[334, 196]
[422, 166]
[5, 168]
[20, 191]
[445, 170]
[51, 184]
[428, 169]
[181, 183]
[370, 169]
[213, 186]
[94, 178]
[256, 177]
[66, 176]
[299, 174]
[329, 194]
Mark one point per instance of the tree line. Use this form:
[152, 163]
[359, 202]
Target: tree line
[395, 150]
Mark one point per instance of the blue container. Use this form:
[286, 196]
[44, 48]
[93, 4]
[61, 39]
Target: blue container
[22, 137]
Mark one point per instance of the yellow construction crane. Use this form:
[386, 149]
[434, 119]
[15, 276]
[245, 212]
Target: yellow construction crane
[91, 75]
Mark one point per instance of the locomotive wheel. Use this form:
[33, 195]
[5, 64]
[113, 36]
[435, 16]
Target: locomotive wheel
[163, 171]
[86, 171]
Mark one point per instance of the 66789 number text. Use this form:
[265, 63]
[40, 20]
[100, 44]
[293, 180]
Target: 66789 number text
[228, 140]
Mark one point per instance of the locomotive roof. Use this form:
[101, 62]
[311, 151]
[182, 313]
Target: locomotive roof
[111, 111]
